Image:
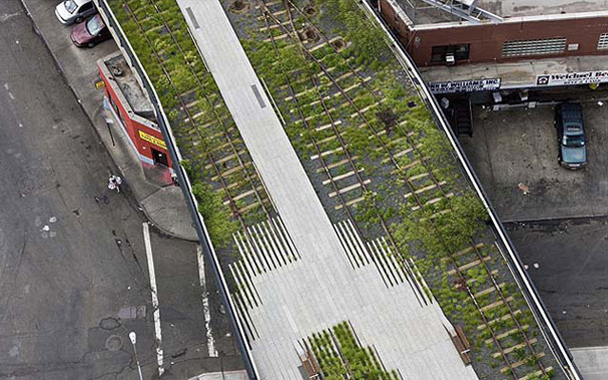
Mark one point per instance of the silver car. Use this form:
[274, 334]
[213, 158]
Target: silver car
[74, 11]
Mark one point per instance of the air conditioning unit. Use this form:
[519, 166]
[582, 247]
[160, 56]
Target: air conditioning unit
[450, 60]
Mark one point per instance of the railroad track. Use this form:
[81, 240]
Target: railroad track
[417, 185]
[350, 162]
[226, 156]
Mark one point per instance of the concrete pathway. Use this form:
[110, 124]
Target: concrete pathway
[321, 289]
[592, 362]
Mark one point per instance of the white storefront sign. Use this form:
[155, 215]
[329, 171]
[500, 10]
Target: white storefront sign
[471, 85]
[568, 79]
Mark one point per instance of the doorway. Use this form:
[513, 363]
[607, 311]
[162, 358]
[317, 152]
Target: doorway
[159, 157]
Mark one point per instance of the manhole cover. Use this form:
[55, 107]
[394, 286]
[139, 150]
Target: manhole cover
[109, 324]
[114, 343]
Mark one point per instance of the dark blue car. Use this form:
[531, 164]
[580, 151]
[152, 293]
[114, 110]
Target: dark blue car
[571, 135]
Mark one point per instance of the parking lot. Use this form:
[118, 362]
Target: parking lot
[557, 218]
[572, 274]
[514, 153]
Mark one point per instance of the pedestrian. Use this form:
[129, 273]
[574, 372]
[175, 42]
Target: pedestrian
[114, 183]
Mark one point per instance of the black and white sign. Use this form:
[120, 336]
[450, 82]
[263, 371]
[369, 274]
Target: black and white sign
[471, 85]
[568, 79]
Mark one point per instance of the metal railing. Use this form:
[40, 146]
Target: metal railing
[528, 289]
[185, 185]
[544, 320]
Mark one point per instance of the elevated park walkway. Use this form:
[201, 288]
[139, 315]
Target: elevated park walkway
[313, 288]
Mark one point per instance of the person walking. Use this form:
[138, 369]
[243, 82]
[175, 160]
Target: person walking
[114, 183]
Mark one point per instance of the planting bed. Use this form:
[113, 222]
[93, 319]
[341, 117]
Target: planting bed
[381, 167]
[339, 355]
[225, 182]
[378, 161]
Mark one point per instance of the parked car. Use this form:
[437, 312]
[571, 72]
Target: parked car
[74, 11]
[571, 135]
[90, 32]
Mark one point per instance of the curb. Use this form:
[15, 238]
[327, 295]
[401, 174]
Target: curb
[557, 219]
[162, 229]
[91, 117]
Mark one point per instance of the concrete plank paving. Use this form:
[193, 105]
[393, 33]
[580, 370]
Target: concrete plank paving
[321, 289]
[592, 362]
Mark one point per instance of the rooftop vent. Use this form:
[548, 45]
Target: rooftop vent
[116, 71]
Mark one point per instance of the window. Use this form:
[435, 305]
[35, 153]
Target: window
[86, 7]
[460, 52]
[533, 47]
[602, 43]
[94, 25]
[69, 5]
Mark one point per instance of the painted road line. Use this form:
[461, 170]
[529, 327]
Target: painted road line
[212, 352]
[157, 331]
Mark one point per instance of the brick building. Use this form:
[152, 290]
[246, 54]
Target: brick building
[502, 53]
[446, 32]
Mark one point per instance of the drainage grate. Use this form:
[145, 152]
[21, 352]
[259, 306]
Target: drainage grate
[257, 94]
[191, 15]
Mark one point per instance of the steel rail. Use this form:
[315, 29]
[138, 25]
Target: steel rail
[351, 102]
[511, 311]
[410, 273]
[214, 110]
[218, 172]
[550, 332]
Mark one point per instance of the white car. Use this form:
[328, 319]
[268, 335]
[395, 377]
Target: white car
[74, 11]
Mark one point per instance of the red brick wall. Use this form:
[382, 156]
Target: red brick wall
[486, 40]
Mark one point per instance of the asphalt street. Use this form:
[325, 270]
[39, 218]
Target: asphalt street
[73, 271]
[572, 274]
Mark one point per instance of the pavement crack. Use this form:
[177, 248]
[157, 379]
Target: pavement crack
[9, 16]
[15, 274]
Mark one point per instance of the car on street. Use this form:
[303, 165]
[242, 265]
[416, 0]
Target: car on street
[90, 33]
[571, 135]
[74, 11]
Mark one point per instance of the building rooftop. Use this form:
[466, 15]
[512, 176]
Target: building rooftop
[123, 76]
[422, 13]
[521, 8]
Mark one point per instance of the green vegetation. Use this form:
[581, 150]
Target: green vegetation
[216, 216]
[340, 356]
[205, 132]
[352, 108]
[443, 234]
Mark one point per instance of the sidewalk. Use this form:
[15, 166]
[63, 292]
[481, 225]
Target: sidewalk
[164, 206]
[592, 362]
